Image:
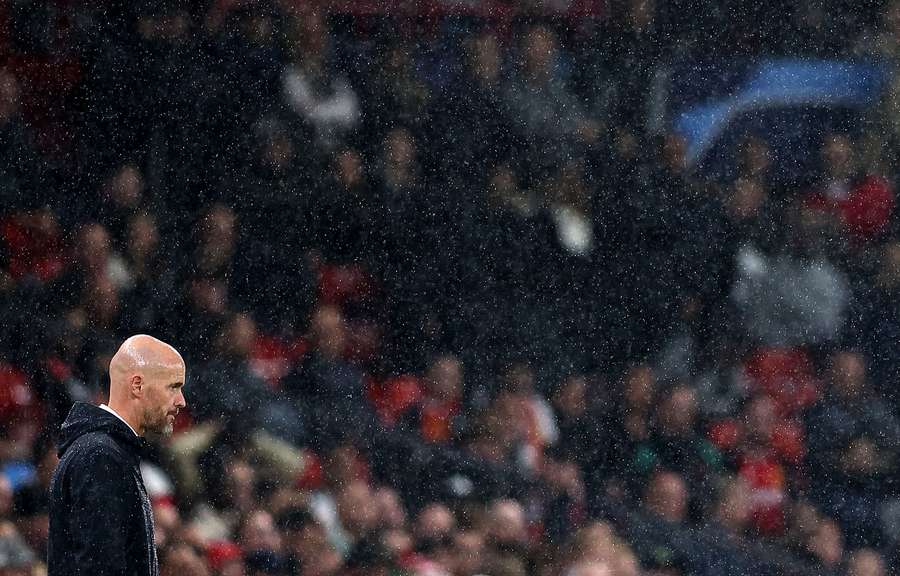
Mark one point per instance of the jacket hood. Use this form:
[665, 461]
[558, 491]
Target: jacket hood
[85, 418]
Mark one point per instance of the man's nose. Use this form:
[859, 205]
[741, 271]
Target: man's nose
[180, 401]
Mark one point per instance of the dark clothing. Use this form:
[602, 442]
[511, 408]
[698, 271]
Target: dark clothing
[318, 386]
[101, 522]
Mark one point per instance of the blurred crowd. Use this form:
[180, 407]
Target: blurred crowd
[452, 299]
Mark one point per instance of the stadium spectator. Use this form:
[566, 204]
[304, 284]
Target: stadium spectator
[470, 123]
[438, 416]
[19, 163]
[789, 319]
[852, 436]
[313, 88]
[675, 445]
[546, 115]
[367, 198]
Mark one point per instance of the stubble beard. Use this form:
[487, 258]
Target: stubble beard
[158, 425]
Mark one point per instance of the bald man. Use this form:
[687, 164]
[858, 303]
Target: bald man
[101, 522]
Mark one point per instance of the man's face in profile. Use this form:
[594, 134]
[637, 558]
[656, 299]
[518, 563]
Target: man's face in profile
[163, 399]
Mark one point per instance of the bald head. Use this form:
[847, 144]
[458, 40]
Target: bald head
[146, 376]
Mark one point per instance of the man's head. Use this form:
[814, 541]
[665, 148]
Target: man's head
[444, 379]
[838, 155]
[146, 377]
[539, 51]
[667, 496]
[484, 57]
[677, 412]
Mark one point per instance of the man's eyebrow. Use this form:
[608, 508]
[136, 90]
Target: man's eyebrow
[176, 384]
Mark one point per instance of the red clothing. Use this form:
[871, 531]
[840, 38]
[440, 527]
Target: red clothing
[864, 211]
[766, 477]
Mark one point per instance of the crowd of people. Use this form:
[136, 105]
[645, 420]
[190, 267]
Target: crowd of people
[451, 297]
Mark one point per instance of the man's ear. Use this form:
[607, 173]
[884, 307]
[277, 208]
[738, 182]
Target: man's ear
[137, 385]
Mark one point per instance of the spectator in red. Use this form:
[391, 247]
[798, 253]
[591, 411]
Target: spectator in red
[438, 416]
[861, 203]
[33, 244]
[535, 418]
[762, 467]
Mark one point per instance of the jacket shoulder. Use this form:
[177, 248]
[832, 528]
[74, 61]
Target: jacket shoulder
[95, 446]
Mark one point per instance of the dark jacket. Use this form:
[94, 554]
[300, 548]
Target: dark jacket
[101, 522]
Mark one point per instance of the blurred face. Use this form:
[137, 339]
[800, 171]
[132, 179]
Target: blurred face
[9, 95]
[219, 227]
[143, 236]
[183, 560]
[390, 509]
[163, 398]
[127, 186]
[348, 166]
[6, 497]
[400, 148]
[486, 58]
[734, 508]
[507, 522]
[640, 386]
[240, 336]
[357, 508]
[468, 548]
[866, 562]
[848, 374]
[329, 331]
[94, 247]
[667, 497]
[757, 157]
[747, 197]
[101, 298]
[827, 543]
[596, 542]
[678, 411]
[445, 378]
[242, 484]
[435, 521]
[761, 418]
[591, 569]
[675, 152]
[540, 51]
[837, 153]
[259, 533]
[571, 399]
